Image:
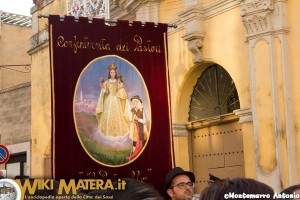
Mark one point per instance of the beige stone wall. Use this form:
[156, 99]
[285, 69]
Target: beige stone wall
[268, 64]
[14, 44]
[225, 44]
[294, 49]
[224, 49]
[168, 10]
[264, 108]
[15, 114]
[41, 91]
[273, 97]
[41, 111]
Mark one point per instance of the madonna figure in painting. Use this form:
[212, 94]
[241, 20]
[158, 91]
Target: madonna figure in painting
[113, 107]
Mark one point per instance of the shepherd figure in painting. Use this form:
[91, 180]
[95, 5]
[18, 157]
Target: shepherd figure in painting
[138, 127]
[112, 110]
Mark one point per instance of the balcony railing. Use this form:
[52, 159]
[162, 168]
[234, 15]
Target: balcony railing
[39, 38]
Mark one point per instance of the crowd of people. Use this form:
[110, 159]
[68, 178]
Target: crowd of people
[179, 185]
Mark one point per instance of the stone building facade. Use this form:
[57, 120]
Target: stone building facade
[15, 128]
[15, 92]
[15, 33]
[235, 61]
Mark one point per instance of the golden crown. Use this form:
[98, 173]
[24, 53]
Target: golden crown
[112, 66]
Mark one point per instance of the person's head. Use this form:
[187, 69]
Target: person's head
[119, 78]
[218, 190]
[134, 190]
[179, 184]
[112, 71]
[136, 102]
[292, 191]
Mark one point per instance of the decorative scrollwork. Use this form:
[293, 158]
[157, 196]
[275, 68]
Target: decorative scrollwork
[256, 15]
[26, 69]
[194, 46]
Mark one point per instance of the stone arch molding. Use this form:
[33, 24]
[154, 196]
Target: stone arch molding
[186, 89]
[263, 39]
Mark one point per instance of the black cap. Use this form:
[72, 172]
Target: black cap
[136, 97]
[175, 172]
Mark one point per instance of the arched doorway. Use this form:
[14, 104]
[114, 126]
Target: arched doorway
[216, 135]
[214, 94]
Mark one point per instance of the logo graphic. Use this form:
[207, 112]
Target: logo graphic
[9, 190]
[4, 154]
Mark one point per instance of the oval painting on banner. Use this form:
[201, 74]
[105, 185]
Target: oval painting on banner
[112, 112]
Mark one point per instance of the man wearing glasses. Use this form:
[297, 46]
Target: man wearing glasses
[179, 184]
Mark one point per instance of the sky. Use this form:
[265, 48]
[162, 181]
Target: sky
[21, 7]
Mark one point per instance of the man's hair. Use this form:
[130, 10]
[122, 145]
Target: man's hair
[134, 190]
[289, 190]
[237, 186]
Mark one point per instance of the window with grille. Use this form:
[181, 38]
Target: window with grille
[214, 94]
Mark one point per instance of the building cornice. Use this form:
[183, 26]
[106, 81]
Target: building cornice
[245, 115]
[207, 11]
[125, 10]
[179, 130]
[38, 48]
[16, 87]
[211, 121]
[217, 7]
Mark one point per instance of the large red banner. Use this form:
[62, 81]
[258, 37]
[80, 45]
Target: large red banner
[110, 100]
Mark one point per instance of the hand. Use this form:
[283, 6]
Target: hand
[102, 85]
[136, 118]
